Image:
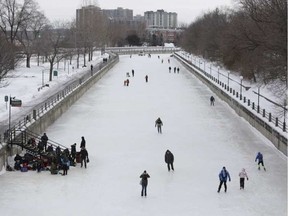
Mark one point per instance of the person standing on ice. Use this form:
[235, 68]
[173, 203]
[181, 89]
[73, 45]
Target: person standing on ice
[259, 157]
[144, 182]
[158, 124]
[84, 157]
[83, 142]
[146, 78]
[242, 176]
[169, 159]
[223, 176]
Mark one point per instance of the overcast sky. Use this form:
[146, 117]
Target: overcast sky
[187, 10]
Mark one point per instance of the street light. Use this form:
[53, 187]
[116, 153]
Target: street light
[228, 72]
[218, 73]
[241, 79]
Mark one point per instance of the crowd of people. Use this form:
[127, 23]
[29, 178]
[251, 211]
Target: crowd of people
[57, 160]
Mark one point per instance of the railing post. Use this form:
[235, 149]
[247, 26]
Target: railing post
[270, 117]
[263, 112]
[248, 102]
[244, 99]
[284, 126]
[34, 114]
[236, 94]
[258, 109]
[253, 105]
[276, 122]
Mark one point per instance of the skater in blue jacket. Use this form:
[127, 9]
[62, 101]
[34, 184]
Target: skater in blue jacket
[223, 176]
[259, 157]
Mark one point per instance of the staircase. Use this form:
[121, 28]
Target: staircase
[21, 139]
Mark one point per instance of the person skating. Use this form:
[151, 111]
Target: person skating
[159, 124]
[212, 100]
[84, 157]
[146, 78]
[169, 159]
[260, 159]
[242, 176]
[223, 176]
[144, 182]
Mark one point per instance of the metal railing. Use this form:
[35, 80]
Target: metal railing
[245, 101]
[6, 134]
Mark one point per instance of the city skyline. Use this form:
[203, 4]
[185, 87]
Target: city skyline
[186, 10]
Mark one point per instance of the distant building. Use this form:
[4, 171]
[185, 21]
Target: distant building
[161, 19]
[86, 15]
[119, 14]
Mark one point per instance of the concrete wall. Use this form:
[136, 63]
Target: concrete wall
[44, 121]
[269, 132]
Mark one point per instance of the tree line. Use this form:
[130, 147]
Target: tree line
[251, 39]
[26, 32]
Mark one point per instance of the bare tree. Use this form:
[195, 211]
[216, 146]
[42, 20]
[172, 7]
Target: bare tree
[12, 15]
[29, 33]
[53, 38]
[6, 57]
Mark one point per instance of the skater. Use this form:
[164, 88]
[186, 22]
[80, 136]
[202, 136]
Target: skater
[158, 124]
[83, 142]
[132, 73]
[169, 159]
[242, 176]
[127, 82]
[44, 140]
[259, 157]
[212, 100]
[144, 182]
[84, 157]
[169, 69]
[146, 78]
[223, 175]
[174, 69]
[178, 69]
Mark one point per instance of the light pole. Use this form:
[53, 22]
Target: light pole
[228, 72]
[218, 73]
[210, 70]
[241, 79]
[258, 105]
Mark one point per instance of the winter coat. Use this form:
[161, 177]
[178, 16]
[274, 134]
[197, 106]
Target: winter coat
[144, 177]
[158, 122]
[259, 157]
[169, 157]
[44, 139]
[243, 174]
[223, 175]
[84, 153]
[83, 142]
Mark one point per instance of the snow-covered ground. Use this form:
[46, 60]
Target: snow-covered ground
[118, 124]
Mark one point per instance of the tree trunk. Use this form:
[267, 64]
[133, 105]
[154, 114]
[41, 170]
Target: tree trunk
[28, 57]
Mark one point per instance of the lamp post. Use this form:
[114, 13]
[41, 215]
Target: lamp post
[210, 70]
[228, 72]
[218, 73]
[241, 79]
[258, 105]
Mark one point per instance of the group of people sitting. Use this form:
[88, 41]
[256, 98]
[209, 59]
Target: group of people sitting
[53, 161]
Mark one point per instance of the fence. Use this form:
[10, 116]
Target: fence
[274, 129]
[6, 134]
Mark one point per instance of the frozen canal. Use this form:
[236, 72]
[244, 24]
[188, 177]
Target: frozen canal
[118, 123]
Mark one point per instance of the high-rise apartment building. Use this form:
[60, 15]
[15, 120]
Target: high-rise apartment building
[119, 14]
[161, 19]
[87, 15]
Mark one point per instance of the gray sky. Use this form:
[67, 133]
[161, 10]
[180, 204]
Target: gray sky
[187, 10]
